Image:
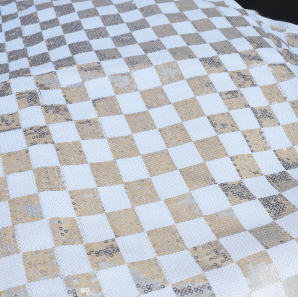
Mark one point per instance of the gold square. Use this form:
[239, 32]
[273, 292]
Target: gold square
[49, 179]
[288, 158]
[242, 78]
[256, 140]
[27, 99]
[224, 223]
[8, 242]
[75, 93]
[159, 163]
[182, 53]
[138, 62]
[107, 106]
[175, 135]
[213, 65]
[166, 240]
[169, 73]
[273, 94]
[203, 25]
[188, 109]
[106, 173]
[9, 122]
[183, 208]
[90, 71]
[25, 209]
[292, 132]
[281, 72]
[123, 83]
[41, 265]
[223, 123]
[201, 85]
[197, 176]
[89, 129]
[282, 181]
[65, 231]
[124, 222]
[3, 189]
[155, 97]
[141, 192]
[16, 162]
[70, 153]
[246, 166]
[211, 255]
[211, 148]
[86, 202]
[265, 116]
[104, 254]
[123, 147]
[48, 81]
[56, 113]
[164, 31]
[294, 105]
[38, 135]
[140, 121]
[251, 58]
[234, 100]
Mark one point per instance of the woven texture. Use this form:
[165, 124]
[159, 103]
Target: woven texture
[147, 147]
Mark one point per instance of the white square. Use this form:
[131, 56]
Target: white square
[42, 69]
[233, 62]
[43, 155]
[82, 6]
[130, 50]
[228, 279]
[8, 104]
[132, 169]
[117, 281]
[76, 37]
[4, 215]
[149, 142]
[230, 11]
[284, 113]
[92, 22]
[185, 155]
[254, 97]
[56, 204]
[32, 116]
[82, 111]
[290, 223]
[197, 14]
[86, 58]
[241, 44]
[9, 8]
[203, 50]
[285, 258]
[96, 228]
[260, 187]
[115, 126]
[245, 119]
[18, 64]
[195, 232]
[165, 116]
[68, 76]
[136, 247]
[11, 24]
[52, 32]
[72, 259]
[14, 44]
[21, 184]
[271, 55]
[179, 266]
[144, 35]
[178, 91]
[173, 41]
[169, 185]
[131, 103]
[268, 162]
[142, 81]
[116, 30]
[114, 66]
[199, 128]
[71, 17]
[248, 31]
[160, 57]
[292, 196]
[277, 137]
[99, 88]
[78, 177]
[213, 36]
[212, 104]
[221, 22]
[114, 198]
[12, 141]
[222, 82]
[211, 199]
[12, 272]
[273, 290]
[41, 288]
[34, 236]
[234, 143]
[262, 75]
[168, 7]
[60, 53]
[22, 84]
[191, 68]
[64, 132]
[223, 170]
[103, 43]
[131, 16]
[109, 9]
[154, 215]
[157, 20]
[184, 27]
[97, 150]
[290, 88]
[49, 97]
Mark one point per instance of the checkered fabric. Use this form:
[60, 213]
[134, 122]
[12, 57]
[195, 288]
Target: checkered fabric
[147, 147]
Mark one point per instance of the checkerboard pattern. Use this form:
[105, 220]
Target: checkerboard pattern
[147, 147]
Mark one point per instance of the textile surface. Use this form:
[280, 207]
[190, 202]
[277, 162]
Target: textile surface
[147, 147]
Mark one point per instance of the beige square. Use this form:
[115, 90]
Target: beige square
[159, 163]
[141, 192]
[292, 132]
[16, 162]
[185, 6]
[182, 53]
[281, 72]
[41, 265]
[152, 46]
[223, 123]
[150, 10]
[197, 176]
[183, 208]
[155, 97]
[193, 39]
[108, 106]
[201, 85]
[213, 65]
[292, 39]
[265, 116]
[90, 71]
[246, 166]
[290, 285]
[86, 202]
[65, 231]
[258, 42]
[294, 105]
[138, 62]
[224, 223]
[27, 99]
[211, 148]
[251, 58]
[223, 47]
[290, 56]
[211, 12]
[89, 129]
[164, 31]
[9, 122]
[8, 242]
[49, 179]
[169, 73]
[203, 25]
[166, 240]
[106, 173]
[108, 54]
[288, 157]
[282, 181]
[5, 88]
[231, 33]
[104, 254]
[242, 79]
[175, 135]
[211, 255]
[56, 113]
[70, 153]
[273, 94]
[20, 291]
[124, 222]
[256, 140]
[123, 83]
[38, 135]
[3, 189]
[48, 81]
[189, 109]
[177, 17]
[140, 121]
[75, 93]
[234, 100]
[25, 209]
[123, 147]
[138, 25]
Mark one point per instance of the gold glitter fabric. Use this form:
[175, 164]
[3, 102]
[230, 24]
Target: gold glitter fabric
[147, 147]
